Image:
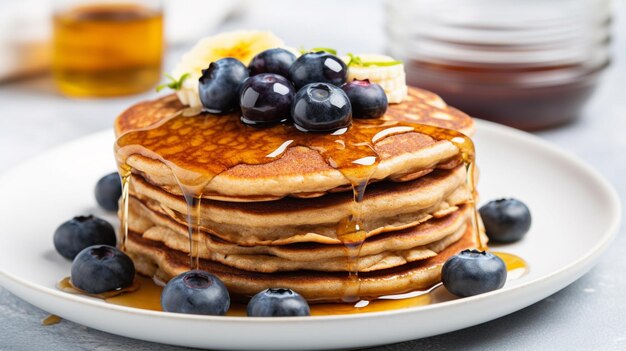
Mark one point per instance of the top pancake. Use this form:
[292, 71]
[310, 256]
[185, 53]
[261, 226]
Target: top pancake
[300, 170]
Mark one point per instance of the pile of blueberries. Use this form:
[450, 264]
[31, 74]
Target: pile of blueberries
[277, 87]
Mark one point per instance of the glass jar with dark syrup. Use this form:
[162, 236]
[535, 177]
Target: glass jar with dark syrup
[529, 64]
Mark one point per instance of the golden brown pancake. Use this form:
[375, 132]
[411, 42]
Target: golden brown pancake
[298, 170]
[420, 106]
[382, 251]
[386, 206]
[155, 259]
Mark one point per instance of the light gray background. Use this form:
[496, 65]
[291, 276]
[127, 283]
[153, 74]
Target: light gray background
[588, 315]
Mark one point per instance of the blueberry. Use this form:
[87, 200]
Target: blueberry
[102, 268]
[506, 220]
[195, 292]
[108, 191]
[316, 67]
[266, 98]
[473, 272]
[219, 85]
[321, 107]
[278, 303]
[368, 100]
[80, 232]
[272, 61]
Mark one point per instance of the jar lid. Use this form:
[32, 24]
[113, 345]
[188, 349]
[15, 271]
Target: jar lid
[529, 32]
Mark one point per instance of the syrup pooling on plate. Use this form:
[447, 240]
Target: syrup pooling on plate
[66, 285]
[51, 320]
[198, 148]
[515, 265]
[148, 295]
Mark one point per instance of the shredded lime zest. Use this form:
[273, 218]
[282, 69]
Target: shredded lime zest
[358, 61]
[174, 84]
[328, 50]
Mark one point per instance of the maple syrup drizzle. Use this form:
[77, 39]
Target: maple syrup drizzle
[198, 148]
[470, 169]
[125, 175]
[193, 199]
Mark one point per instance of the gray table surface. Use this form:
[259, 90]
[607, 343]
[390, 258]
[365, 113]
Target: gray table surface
[590, 314]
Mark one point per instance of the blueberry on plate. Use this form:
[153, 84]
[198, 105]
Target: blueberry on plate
[473, 272]
[316, 67]
[195, 292]
[321, 107]
[278, 303]
[80, 232]
[219, 85]
[506, 220]
[108, 191]
[368, 100]
[276, 60]
[102, 268]
[266, 98]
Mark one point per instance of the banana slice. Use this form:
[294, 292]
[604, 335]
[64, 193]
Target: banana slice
[373, 72]
[242, 45]
[393, 83]
[189, 96]
[392, 77]
[397, 96]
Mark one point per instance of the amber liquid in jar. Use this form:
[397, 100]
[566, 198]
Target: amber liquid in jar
[107, 49]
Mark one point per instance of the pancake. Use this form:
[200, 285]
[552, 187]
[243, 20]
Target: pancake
[155, 259]
[271, 264]
[299, 171]
[386, 206]
[142, 218]
[148, 113]
[385, 250]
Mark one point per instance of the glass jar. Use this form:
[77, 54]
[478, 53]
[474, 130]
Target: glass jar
[529, 64]
[107, 47]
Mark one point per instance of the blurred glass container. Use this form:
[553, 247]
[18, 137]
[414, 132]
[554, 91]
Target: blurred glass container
[107, 48]
[530, 64]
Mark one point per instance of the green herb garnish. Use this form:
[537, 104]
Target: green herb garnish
[358, 61]
[174, 84]
[328, 50]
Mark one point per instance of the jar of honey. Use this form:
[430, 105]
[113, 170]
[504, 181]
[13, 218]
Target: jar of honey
[529, 64]
[107, 47]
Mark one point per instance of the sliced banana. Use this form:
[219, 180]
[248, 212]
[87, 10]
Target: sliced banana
[392, 78]
[397, 96]
[242, 45]
[373, 72]
[189, 96]
[393, 83]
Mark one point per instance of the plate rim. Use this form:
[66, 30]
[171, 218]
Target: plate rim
[610, 233]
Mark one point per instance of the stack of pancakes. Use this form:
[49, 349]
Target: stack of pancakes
[276, 224]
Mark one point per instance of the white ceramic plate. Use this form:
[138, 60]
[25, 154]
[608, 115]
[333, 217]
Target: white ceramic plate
[575, 215]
